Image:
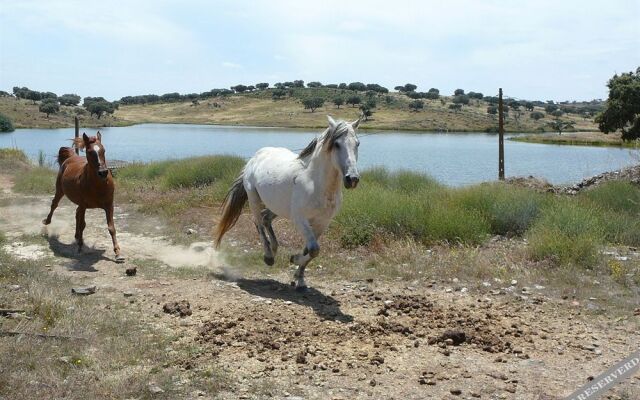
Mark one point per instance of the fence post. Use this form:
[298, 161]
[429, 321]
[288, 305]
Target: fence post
[500, 136]
[77, 135]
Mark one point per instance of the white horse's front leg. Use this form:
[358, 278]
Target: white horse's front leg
[311, 250]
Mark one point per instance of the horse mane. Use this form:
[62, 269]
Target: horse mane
[78, 143]
[329, 136]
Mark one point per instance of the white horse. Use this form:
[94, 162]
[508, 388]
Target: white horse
[304, 188]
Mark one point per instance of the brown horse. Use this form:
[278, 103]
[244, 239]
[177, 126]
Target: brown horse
[88, 183]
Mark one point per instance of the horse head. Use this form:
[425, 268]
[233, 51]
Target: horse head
[342, 143]
[94, 150]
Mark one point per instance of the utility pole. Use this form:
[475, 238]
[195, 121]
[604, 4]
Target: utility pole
[77, 124]
[500, 136]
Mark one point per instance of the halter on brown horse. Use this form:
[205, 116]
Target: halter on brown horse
[88, 183]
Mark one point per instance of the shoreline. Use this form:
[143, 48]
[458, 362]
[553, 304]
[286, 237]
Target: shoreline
[573, 139]
[530, 135]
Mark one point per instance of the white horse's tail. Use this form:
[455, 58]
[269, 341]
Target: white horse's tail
[231, 209]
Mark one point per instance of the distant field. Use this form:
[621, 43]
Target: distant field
[257, 109]
[577, 138]
[25, 114]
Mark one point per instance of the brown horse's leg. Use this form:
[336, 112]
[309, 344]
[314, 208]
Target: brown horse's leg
[112, 232]
[54, 202]
[80, 225]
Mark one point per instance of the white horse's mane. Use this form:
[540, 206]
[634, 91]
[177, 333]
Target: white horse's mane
[328, 136]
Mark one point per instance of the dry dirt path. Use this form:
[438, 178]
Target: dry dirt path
[369, 339]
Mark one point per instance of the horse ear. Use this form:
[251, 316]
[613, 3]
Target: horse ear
[356, 123]
[332, 123]
[85, 138]
[99, 135]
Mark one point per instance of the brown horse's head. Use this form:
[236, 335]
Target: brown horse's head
[94, 149]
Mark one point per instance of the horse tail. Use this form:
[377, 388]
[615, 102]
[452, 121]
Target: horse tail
[64, 153]
[231, 209]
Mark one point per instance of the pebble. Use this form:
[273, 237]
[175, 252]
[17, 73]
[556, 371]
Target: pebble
[514, 282]
[456, 392]
[155, 389]
[84, 290]
[127, 293]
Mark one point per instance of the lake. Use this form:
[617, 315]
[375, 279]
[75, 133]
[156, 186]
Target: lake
[454, 159]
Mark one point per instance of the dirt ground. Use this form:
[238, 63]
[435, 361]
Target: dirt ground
[366, 339]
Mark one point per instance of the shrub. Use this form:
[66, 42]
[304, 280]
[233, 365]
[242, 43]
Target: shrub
[567, 234]
[5, 124]
[187, 173]
[509, 210]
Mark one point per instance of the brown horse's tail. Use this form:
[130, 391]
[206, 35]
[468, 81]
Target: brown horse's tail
[64, 153]
[231, 209]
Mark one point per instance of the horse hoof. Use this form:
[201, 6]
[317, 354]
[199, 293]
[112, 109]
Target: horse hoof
[119, 259]
[268, 260]
[45, 222]
[301, 288]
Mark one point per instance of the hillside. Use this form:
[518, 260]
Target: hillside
[24, 114]
[258, 109]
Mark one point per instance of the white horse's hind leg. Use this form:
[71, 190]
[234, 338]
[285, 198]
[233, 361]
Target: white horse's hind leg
[256, 209]
[267, 217]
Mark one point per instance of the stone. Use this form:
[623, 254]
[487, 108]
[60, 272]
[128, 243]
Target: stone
[83, 290]
[155, 389]
[131, 271]
[181, 308]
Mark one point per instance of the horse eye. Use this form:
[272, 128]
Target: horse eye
[337, 145]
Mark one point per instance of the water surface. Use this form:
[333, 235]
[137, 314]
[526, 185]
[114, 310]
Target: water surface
[453, 158]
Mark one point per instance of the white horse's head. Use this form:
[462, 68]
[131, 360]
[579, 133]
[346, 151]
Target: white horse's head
[342, 143]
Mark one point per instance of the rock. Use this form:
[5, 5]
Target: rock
[514, 282]
[155, 389]
[83, 290]
[181, 308]
[301, 358]
[191, 231]
[131, 271]
[453, 337]
[377, 360]
[636, 312]
[127, 293]
[456, 392]
[372, 382]
[14, 287]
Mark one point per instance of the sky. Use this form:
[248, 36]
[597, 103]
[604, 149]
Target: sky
[536, 50]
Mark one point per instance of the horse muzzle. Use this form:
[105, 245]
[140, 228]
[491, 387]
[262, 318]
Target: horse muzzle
[103, 173]
[351, 181]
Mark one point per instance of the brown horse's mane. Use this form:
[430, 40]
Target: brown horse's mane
[78, 142]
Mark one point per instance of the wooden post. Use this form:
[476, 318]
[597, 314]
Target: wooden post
[77, 123]
[500, 136]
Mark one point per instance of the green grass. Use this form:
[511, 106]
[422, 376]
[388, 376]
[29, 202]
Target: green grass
[13, 159]
[38, 180]
[402, 205]
[567, 233]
